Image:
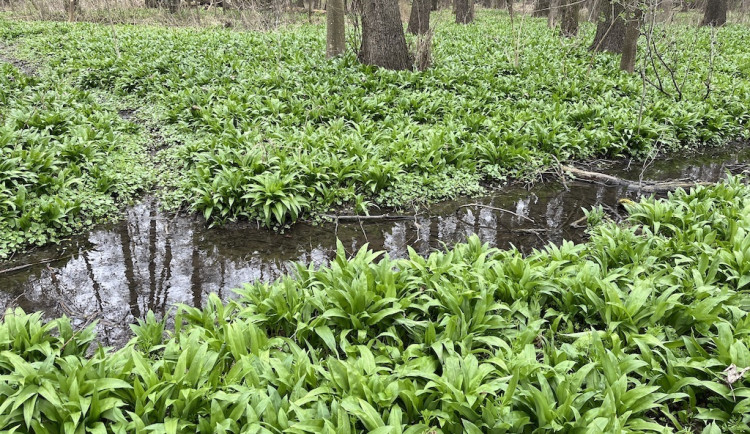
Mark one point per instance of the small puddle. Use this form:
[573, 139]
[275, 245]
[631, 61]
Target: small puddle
[152, 261]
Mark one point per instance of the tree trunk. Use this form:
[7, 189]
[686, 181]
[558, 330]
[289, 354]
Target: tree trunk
[632, 32]
[419, 19]
[552, 13]
[383, 40]
[335, 26]
[667, 7]
[70, 7]
[434, 5]
[569, 18]
[716, 13]
[610, 30]
[464, 11]
[541, 8]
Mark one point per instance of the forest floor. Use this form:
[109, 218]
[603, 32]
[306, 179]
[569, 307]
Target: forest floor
[260, 126]
[643, 327]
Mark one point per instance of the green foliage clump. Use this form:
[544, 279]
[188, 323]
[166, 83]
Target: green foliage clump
[264, 127]
[630, 332]
[66, 162]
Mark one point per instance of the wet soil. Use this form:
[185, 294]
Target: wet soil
[153, 261]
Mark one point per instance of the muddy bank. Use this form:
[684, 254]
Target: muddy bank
[152, 261]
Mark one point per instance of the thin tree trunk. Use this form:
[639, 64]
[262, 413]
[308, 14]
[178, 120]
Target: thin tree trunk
[632, 32]
[552, 14]
[464, 11]
[569, 18]
[715, 13]
[541, 8]
[610, 30]
[419, 19]
[70, 8]
[335, 25]
[383, 40]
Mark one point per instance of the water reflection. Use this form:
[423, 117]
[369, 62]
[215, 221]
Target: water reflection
[152, 261]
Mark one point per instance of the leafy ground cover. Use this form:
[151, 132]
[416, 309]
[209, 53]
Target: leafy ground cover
[261, 126]
[66, 161]
[644, 328]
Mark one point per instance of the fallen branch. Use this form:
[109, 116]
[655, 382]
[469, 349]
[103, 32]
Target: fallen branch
[356, 218]
[46, 261]
[649, 187]
[22, 267]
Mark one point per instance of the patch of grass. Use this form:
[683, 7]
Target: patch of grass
[66, 161]
[630, 332]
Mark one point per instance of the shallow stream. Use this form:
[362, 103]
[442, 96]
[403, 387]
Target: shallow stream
[152, 261]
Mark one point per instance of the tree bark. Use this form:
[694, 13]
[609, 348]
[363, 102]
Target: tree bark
[464, 11]
[569, 18]
[552, 13]
[715, 14]
[335, 28]
[632, 32]
[610, 30]
[541, 8]
[419, 19]
[383, 40]
[70, 7]
[667, 7]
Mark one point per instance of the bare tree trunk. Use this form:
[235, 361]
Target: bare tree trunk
[667, 7]
[383, 40]
[610, 30]
[70, 7]
[335, 26]
[632, 32]
[464, 11]
[552, 14]
[569, 18]
[541, 8]
[419, 19]
[716, 13]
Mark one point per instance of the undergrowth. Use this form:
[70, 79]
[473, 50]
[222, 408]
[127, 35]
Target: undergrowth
[66, 161]
[644, 328]
[261, 126]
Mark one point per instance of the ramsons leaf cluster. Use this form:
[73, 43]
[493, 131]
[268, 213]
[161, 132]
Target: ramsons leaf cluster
[642, 329]
[261, 126]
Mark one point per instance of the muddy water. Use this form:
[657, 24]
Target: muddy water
[152, 261]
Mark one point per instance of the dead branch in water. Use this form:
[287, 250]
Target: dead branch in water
[356, 218]
[649, 187]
